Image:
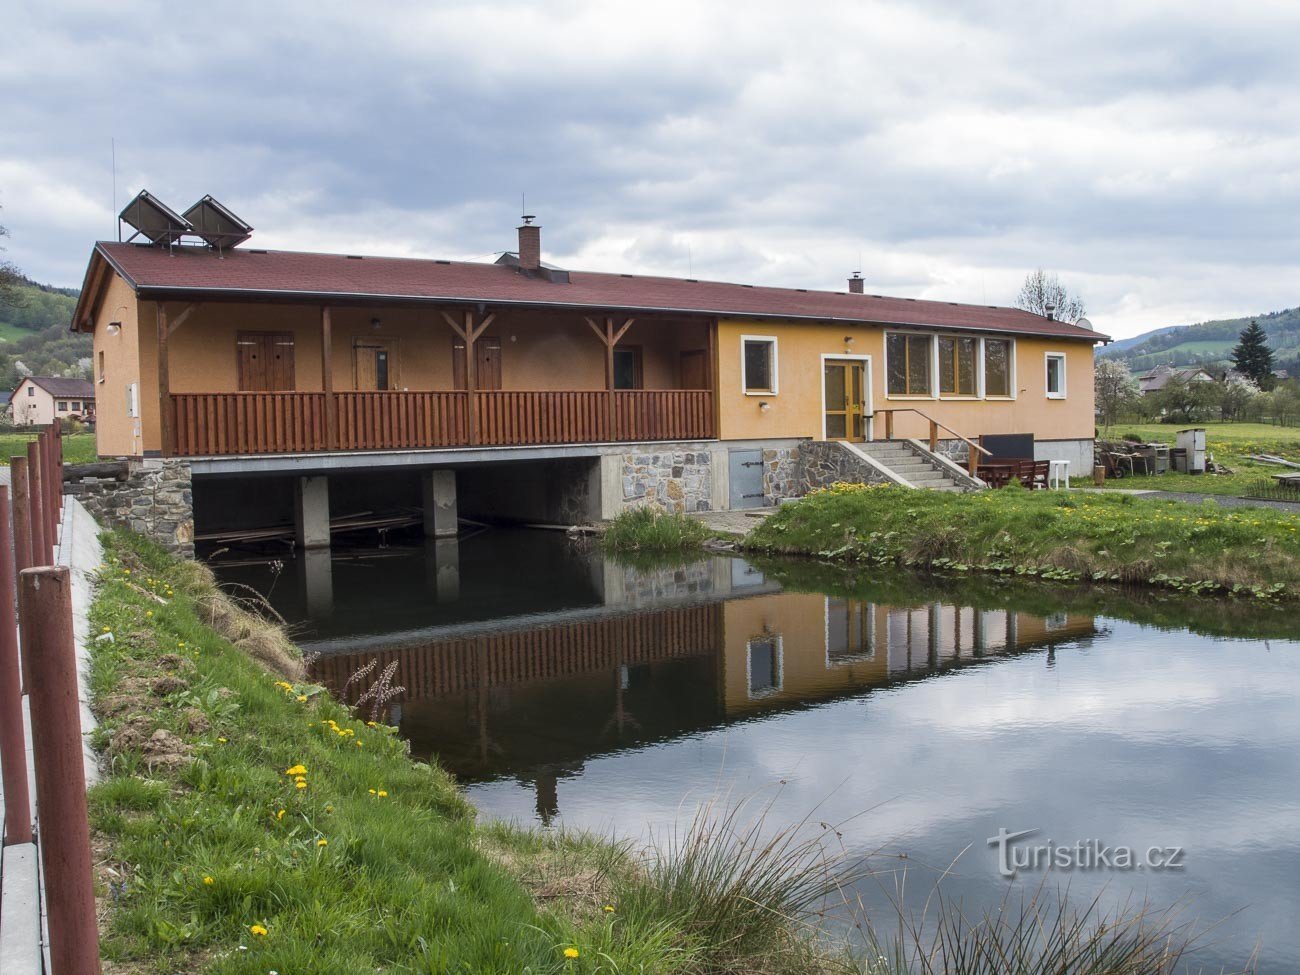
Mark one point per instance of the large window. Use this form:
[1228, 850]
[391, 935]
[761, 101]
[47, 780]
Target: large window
[997, 367]
[850, 631]
[910, 364]
[957, 362]
[1056, 375]
[758, 365]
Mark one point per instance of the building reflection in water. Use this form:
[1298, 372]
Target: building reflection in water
[669, 654]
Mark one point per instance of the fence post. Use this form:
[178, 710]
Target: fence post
[45, 609]
[51, 490]
[36, 504]
[22, 512]
[13, 741]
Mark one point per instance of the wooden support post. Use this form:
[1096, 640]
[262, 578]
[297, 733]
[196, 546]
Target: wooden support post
[45, 608]
[711, 367]
[469, 334]
[327, 379]
[164, 384]
[973, 463]
[22, 512]
[13, 740]
[609, 378]
[934, 435]
[41, 552]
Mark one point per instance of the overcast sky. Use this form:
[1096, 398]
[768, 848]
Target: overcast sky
[1147, 151]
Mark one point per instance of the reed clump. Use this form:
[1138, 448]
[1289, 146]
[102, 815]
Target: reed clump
[648, 530]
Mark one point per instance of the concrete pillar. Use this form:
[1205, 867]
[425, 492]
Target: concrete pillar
[318, 582]
[720, 465]
[611, 485]
[441, 517]
[442, 568]
[311, 512]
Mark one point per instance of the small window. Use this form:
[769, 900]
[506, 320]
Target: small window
[957, 366]
[63, 406]
[910, 364]
[758, 365]
[997, 367]
[1055, 375]
[764, 665]
[31, 390]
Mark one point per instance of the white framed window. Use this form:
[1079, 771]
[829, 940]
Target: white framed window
[1055, 374]
[910, 364]
[959, 366]
[998, 368]
[764, 665]
[758, 366]
[850, 631]
[63, 406]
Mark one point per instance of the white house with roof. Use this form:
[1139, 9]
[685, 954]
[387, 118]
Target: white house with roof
[40, 400]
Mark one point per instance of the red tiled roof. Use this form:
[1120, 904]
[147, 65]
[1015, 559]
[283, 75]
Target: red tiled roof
[195, 271]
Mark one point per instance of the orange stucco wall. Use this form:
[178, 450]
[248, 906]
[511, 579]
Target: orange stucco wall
[116, 434]
[796, 408]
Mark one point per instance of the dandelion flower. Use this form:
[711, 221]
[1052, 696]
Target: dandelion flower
[280, 814]
[258, 930]
[329, 809]
[609, 908]
[104, 629]
[383, 794]
[302, 698]
[296, 770]
[208, 881]
[322, 842]
[300, 785]
[221, 741]
[148, 612]
[570, 952]
[372, 792]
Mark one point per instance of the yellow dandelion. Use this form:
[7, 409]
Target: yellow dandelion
[296, 770]
[302, 698]
[609, 908]
[329, 809]
[322, 842]
[570, 952]
[258, 930]
[221, 741]
[148, 612]
[104, 630]
[383, 794]
[280, 814]
[208, 881]
[372, 792]
[300, 785]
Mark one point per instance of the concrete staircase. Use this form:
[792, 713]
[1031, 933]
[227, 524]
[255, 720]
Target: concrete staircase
[912, 464]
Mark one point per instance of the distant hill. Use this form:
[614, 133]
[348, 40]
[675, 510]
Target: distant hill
[34, 332]
[1209, 343]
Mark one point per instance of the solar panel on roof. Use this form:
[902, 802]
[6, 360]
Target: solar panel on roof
[154, 220]
[216, 224]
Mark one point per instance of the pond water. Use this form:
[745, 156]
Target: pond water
[923, 716]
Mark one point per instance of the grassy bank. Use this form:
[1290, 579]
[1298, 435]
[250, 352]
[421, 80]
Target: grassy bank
[1230, 443]
[78, 448]
[648, 531]
[247, 823]
[1048, 535]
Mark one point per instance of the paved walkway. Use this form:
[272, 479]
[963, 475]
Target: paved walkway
[735, 523]
[1188, 497]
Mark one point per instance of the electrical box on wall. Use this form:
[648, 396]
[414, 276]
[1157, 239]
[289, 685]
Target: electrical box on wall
[133, 400]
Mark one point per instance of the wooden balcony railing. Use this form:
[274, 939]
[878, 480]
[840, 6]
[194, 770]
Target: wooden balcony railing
[215, 424]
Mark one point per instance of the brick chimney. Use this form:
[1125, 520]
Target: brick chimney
[530, 244]
[856, 283]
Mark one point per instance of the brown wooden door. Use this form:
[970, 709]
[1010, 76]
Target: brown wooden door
[845, 400]
[265, 360]
[374, 365]
[487, 363]
[695, 369]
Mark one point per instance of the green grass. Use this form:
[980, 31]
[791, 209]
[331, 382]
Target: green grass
[1050, 535]
[12, 333]
[215, 861]
[649, 531]
[78, 448]
[1228, 442]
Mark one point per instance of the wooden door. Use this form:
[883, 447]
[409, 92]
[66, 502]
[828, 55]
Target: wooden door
[627, 367]
[487, 363]
[373, 364]
[265, 361]
[695, 369]
[845, 400]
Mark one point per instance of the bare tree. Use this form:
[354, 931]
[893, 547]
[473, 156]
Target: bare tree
[1116, 390]
[10, 277]
[1042, 292]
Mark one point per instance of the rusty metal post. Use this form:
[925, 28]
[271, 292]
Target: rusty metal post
[13, 740]
[36, 504]
[45, 608]
[22, 512]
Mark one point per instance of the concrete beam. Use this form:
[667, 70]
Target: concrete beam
[311, 512]
[441, 515]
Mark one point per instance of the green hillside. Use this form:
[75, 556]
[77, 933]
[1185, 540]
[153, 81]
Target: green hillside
[1210, 343]
[34, 332]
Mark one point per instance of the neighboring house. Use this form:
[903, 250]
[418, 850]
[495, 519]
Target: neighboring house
[6, 402]
[254, 362]
[39, 400]
[1160, 377]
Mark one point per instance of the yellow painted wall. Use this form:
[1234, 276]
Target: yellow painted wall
[796, 409]
[116, 435]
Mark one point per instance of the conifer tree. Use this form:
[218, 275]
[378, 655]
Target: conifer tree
[1252, 356]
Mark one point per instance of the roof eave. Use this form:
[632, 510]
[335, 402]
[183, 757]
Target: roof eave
[235, 294]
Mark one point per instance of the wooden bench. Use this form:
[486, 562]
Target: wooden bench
[1032, 474]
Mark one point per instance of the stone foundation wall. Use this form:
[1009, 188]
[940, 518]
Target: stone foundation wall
[823, 462]
[781, 474]
[156, 500]
[671, 480]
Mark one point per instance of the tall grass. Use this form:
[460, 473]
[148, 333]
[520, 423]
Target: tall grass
[648, 530]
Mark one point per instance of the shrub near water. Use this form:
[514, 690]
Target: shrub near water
[649, 530]
[1048, 534]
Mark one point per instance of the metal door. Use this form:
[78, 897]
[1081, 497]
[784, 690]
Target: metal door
[745, 477]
